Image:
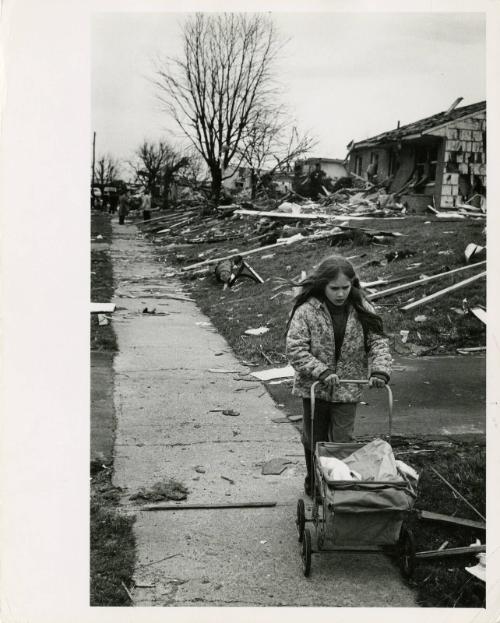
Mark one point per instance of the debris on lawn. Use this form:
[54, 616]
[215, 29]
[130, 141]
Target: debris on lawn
[450, 519]
[230, 412]
[472, 349]
[421, 318]
[274, 373]
[422, 281]
[432, 297]
[479, 570]
[102, 319]
[167, 490]
[479, 312]
[258, 331]
[474, 252]
[102, 308]
[229, 270]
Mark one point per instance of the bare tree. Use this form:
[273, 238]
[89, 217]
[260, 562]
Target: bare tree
[106, 171]
[216, 89]
[155, 166]
[271, 145]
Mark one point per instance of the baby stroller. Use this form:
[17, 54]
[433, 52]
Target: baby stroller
[356, 515]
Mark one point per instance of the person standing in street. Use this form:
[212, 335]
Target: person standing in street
[123, 203]
[146, 205]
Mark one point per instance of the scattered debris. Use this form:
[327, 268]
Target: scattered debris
[440, 293]
[229, 270]
[230, 412]
[200, 470]
[102, 308]
[420, 282]
[452, 551]
[294, 418]
[449, 519]
[258, 331]
[168, 490]
[230, 480]
[280, 420]
[274, 373]
[102, 319]
[479, 571]
[474, 252]
[275, 467]
[473, 349]
[421, 318]
[479, 313]
[404, 335]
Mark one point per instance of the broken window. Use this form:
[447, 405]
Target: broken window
[358, 165]
[393, 162]
[426, 158]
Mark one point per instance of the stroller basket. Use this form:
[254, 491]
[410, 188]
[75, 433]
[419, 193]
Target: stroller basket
[361, 511]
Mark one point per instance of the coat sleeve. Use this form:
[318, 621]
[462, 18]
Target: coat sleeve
[298, 347]
[379, 354]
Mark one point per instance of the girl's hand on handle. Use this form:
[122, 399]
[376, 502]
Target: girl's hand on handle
[331, 380]
[376, 382]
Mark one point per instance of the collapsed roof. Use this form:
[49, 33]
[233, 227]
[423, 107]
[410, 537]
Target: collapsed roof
[423, 126]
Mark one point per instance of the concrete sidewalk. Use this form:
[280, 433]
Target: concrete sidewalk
[165, 396]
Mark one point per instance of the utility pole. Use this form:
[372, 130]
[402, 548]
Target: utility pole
[93, 161]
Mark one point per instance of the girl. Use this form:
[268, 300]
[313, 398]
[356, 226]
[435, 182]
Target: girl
[334, 333]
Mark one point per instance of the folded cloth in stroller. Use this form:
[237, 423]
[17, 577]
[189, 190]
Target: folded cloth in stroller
[374, 461]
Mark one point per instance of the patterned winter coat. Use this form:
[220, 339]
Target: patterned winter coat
[310, 347]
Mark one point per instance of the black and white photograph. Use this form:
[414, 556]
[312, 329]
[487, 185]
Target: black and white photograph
[283, 395]
[289, 309]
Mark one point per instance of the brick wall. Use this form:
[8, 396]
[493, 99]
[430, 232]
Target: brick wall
[464, 157]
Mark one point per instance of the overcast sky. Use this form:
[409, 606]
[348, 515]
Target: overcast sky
[344, 75]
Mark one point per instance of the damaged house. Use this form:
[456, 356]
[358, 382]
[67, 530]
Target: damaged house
[438, 161]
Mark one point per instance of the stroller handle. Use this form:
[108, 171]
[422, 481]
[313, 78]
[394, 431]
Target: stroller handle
[357, 382]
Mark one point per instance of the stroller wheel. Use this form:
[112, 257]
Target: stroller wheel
[300, 522]
[406, 551]
[306, 552]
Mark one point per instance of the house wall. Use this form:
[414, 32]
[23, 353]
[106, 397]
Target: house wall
[463, 159]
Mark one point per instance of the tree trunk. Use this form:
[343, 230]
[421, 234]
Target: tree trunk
[216, 185]
[253, 182]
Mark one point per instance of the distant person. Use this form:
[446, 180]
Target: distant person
[146, 205]
[316, 181]
[123, 205]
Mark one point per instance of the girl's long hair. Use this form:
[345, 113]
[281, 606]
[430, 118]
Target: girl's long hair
[329, 269]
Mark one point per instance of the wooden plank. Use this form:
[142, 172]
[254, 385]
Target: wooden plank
[102, 308]
[289, 215]
[242, 253]
[449, 519]
[215, 505]
[441, 293]
[452, 551]
[419, 282]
